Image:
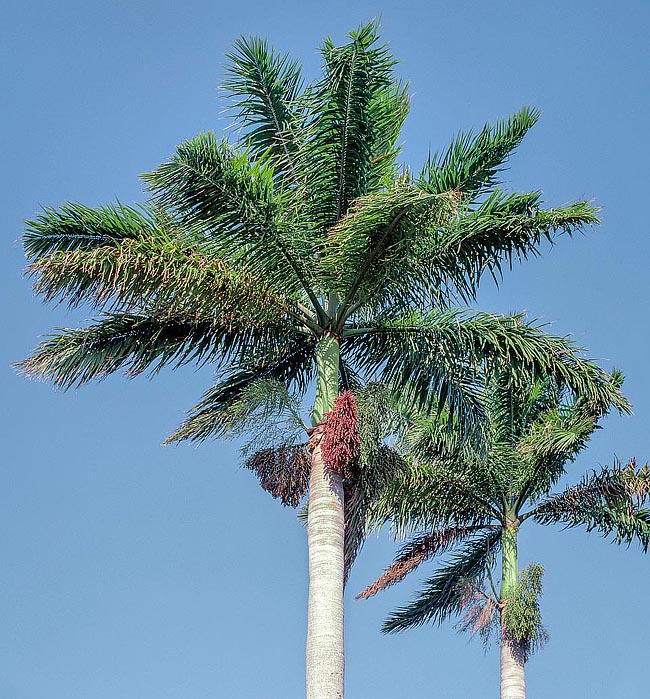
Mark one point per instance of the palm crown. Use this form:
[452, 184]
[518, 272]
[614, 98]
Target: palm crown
[247, 256]
[471, 499]
[303, 253]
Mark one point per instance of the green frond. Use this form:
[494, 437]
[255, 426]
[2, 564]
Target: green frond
[503, 229]
[472, 163]
[433, 496]
[264, 411]
[437, 437]
[213, 188]
[444, 593]
[265, 87]
[389, 109]
[344, 132]
[549, 445]
[376, 235]
[159, 275]
[79, 227]
[425, 358]
[612, 502]
[289, 361]
[435, 358]
[134, 344]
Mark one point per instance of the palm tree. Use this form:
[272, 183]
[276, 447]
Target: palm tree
[298, 254]
[473, 501]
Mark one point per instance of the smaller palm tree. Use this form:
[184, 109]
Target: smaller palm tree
[473, 499]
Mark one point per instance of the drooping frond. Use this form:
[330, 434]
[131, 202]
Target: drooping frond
[79, 227]
[415, 552]
[480, 614]
[289, 361]
[443, 594]
[612, 502]
[434, 496]
[134, 343]
[430, 357]
[266, 412]
[265, 87]
[472, 163]
[363, 489]
[161, 276]
[283, 471]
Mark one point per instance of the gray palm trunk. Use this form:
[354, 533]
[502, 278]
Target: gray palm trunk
[513, 674]
[325, 536]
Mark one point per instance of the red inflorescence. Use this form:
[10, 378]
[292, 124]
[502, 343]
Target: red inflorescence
[340, 443]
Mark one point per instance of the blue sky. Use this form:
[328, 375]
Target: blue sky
[131, 570]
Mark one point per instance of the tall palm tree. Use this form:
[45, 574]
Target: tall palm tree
[298, 254]
[473, 501]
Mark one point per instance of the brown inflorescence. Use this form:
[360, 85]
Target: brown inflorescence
[283, 472]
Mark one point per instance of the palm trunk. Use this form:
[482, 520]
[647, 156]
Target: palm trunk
[513, 677]
[325, 536]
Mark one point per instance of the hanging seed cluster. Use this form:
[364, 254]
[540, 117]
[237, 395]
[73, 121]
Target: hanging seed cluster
[283, 472]
[340, 442]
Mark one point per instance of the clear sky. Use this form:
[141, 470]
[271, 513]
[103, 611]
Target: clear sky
[134, 571]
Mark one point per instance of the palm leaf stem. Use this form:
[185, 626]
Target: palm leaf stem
[320, 311]
[375, 252]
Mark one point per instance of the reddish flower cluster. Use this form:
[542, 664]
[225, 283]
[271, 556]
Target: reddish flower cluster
[340, 443]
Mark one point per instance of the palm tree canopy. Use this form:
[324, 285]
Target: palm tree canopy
[247, 254]
[463, 496]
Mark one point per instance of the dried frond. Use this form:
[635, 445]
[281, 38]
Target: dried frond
[414, 553]
[480, 616]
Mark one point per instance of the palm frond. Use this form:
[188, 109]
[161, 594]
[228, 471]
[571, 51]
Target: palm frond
[265, 87]
[505, 228]
[78, 227]
[472, 163]
[159, 275]
[344, 134]
[289, 361]
[415, 552]
[220, 191]
[444, 593]
[431, 357]
[376, 235]
[549, 445]
[612, 502]
[433, 496]
[134, 343]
